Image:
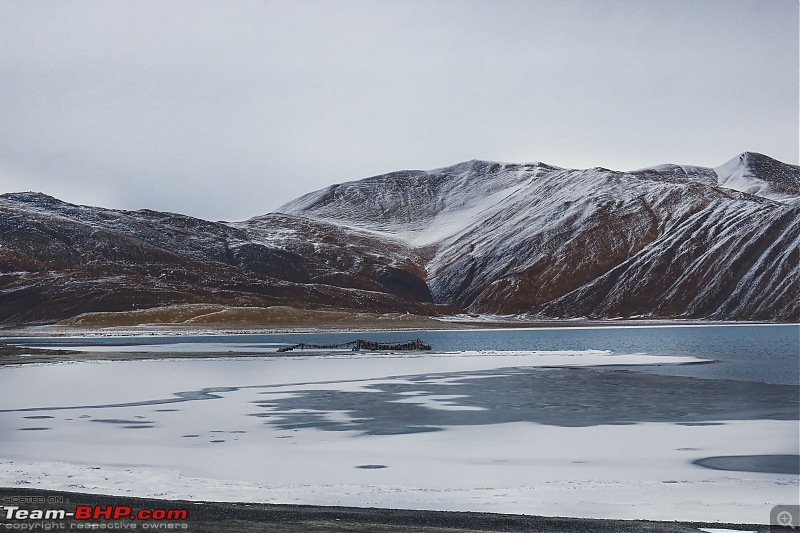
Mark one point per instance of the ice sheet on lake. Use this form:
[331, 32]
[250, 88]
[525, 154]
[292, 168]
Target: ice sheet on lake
[636, 471]
[297, 429]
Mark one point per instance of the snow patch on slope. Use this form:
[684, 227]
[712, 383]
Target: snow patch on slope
[421, 208]
[738, 174]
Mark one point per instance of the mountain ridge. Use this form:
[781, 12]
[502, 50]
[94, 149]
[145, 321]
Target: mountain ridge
[530, 239]
[519, 237]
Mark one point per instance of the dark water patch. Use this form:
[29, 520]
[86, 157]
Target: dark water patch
[218, 440]
[701, 424]
[371, 467]
[766, 464]
[37, 417]
[184, 396]
[137, 427]
[33, 429]
[120, 421]
[312, 422]
[573, 397]
[165, 410]
[190, 436]
[569, 397]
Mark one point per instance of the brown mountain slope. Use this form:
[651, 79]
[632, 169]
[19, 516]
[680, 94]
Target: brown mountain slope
[530, 239]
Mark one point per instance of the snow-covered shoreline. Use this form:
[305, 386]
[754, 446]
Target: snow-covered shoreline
[624, 472]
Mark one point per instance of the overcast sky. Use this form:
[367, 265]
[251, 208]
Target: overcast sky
[228, 109]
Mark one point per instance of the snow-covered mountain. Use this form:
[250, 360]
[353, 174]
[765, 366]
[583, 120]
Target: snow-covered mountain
[760, 175]
[58, 260]
[667, 241]
[481, 237]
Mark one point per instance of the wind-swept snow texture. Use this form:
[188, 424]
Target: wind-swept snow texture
[667, 241]
[479, 237]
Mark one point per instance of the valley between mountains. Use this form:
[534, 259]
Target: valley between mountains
[530, 240]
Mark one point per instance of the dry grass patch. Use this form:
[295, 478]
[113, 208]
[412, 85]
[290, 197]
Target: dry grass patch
[221, 316]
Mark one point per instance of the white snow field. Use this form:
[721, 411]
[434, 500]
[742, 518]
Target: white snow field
[62, 427]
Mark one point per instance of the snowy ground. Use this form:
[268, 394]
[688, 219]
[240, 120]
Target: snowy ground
[304, 430]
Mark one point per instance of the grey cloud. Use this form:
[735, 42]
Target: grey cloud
[226, 110]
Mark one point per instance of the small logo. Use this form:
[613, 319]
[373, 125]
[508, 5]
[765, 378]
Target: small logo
[785, 516]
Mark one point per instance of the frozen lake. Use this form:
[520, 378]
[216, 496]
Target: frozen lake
[597, 423]
[766, 353]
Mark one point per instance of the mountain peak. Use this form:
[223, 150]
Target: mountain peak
[32, 197]
[761, 175]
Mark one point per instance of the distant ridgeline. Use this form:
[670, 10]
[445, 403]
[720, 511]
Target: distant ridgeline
[361, 344]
